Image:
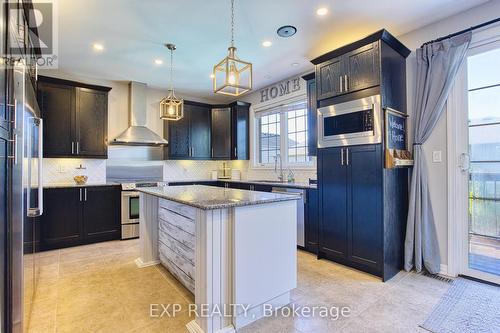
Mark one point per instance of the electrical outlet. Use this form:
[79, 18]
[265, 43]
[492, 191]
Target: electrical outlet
[63, 168]
[437, 156]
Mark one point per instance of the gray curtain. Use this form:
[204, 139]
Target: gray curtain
[437, 66]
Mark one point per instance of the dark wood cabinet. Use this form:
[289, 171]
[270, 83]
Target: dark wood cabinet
[240, 131]
[330, 76]
[333, 204]
[58, 125]
[200, 132]
[365, 205]
[91, 122]
[351, 211]
[61, 223]
[355, 70]
[178, 137]
[221, 133]
[75, 118]
[101, 214]
[362, 68]
[189, 137]
[75, 216]
[312, 121]
[210, 132]
[312, 221]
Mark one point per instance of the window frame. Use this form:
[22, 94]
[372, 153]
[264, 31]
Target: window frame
[283, 111]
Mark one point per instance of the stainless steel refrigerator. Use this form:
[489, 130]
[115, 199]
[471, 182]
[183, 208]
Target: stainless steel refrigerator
[27, 197]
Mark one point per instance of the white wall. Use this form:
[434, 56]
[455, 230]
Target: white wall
[437, 141]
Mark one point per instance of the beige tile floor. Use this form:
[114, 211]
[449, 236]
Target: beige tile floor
[98, 288]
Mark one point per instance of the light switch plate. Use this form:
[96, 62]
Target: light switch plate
[437, 156]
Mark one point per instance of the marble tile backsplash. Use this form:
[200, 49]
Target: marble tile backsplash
[62, 170]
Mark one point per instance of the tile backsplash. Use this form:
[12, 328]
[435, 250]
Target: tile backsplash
[62, 170]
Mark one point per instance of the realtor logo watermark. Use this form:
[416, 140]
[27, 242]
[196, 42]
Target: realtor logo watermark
[157, 310]
[33, 33]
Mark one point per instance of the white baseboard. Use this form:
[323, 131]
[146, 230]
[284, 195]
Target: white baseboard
[443, 270]
[139, 263]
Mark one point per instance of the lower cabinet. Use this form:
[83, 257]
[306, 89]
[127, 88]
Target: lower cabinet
[351, 227]
[312, 220]
[75, 216]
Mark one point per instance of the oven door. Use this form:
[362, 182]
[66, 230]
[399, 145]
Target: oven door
[130, 207]
[351, 123]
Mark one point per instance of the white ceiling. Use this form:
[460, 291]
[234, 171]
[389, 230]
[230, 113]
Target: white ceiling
[133, 33]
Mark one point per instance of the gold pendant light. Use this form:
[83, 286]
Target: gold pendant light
[232, 76]
[171, 107]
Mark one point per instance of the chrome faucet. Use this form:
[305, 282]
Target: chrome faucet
[280, 175]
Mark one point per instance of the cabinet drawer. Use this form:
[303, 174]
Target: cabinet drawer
[186, 211]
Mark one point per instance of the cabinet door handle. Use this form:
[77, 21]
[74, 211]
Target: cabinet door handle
[341, 83]
[235, 152]
[85, 194]
[78, 147]
[347, 156]
[72, 147]
[212, 154]
[346, 83]
[80, 194]
[342, 156]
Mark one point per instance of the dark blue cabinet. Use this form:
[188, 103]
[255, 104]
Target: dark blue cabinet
[332, 177]
[351, 210]
[312, 220]
[365, 205]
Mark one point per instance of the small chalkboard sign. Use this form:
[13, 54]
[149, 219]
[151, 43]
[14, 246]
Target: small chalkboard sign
[396, 143]
[396, 130]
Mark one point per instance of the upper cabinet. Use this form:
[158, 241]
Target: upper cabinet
[75, 118]
[210, 132]
[353, 71]
[312, 123]
[189, 137]
[357, 66]
[240, 138]
[221, 133]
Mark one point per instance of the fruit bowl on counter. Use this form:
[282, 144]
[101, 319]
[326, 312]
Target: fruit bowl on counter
[80, 180]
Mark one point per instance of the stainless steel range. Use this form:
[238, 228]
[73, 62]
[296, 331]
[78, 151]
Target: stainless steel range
[131, 178]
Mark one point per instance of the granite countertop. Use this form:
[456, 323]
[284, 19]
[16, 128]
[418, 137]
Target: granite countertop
[73, 184]
[210, 197]
[302, 185]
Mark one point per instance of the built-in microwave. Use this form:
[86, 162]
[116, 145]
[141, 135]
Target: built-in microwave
[351, 123]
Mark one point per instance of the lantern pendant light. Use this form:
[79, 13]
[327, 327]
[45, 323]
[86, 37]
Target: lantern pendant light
[171, 107]
[232, 76]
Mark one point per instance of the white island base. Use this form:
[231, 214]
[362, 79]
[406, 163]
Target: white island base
[244, 256]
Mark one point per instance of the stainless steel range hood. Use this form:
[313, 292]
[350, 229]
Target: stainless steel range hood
[138, 134]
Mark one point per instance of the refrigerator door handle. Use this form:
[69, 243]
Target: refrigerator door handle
[36, 211]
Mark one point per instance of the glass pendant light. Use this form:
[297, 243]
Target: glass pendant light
[171, 107]
[232, 76]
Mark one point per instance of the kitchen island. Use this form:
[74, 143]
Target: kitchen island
[234, 249]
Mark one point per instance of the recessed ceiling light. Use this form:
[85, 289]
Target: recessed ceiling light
[266, 43]
[322, 11]
[158, 62]
[98, 47]
[294, 64]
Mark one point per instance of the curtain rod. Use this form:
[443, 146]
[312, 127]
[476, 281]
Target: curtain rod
[462, 31]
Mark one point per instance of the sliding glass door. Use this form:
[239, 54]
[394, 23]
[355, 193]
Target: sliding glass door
[483, 232]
